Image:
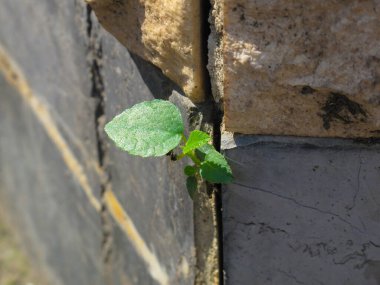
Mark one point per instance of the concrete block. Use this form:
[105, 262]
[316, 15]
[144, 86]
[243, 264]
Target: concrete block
[302, 211]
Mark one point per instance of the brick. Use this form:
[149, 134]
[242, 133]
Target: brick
[166, 33]
[303, 68]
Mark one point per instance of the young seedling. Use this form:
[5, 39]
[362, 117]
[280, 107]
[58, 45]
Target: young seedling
[154, 128]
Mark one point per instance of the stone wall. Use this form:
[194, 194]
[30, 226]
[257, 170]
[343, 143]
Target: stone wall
[300, 79]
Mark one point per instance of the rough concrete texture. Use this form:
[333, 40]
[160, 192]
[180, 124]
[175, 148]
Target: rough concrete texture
[302, 211]
[307, 68]
[166, 33]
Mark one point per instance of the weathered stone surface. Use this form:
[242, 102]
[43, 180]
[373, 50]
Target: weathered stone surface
[166, 33]
[47, 117]
[302, 211]
[42, 198]
[307, 68]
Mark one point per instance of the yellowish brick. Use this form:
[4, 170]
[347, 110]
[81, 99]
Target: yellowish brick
[164, 32]
[307, 68]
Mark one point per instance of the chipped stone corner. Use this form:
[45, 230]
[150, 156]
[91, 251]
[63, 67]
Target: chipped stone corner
[166, 33]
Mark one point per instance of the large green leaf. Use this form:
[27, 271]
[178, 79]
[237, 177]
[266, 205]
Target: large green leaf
[215, 168]
[195, 140]
[150, 128]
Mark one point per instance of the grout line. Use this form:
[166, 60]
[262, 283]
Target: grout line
[95, 56]
[216, 118]
[16, 78]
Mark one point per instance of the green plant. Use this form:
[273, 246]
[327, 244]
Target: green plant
[154, 128]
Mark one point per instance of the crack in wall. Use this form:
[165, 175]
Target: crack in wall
[207, 204]
[95, 56]
[15, 77]
[264, 228]
[291, 276]
[359, 257]
[357, 190]
[300, 204]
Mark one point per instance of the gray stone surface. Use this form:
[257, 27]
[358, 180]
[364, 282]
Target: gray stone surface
[83, 77]
[302, 212]
[44, 202]
[47, 39]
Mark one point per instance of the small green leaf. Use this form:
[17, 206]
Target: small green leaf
[215, 168]
[191, 185]
[204, 150]
[150, 128]
[196, 139]
[190, 170]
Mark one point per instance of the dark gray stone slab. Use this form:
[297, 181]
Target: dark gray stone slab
[302, 212]
[48, 41]
[45, 203]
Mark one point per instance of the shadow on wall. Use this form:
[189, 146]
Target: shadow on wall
[159, 85]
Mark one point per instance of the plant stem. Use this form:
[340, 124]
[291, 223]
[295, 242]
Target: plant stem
[184, 138]
[179, 157]
[194, 158]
